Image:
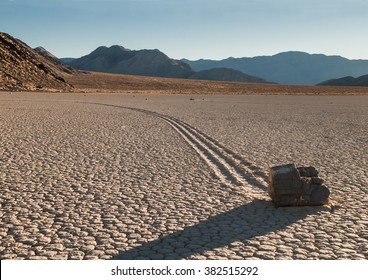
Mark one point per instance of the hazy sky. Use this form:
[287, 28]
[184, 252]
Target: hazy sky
[191, 28]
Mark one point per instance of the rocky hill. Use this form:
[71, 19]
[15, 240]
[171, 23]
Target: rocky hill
[361, 81]
[289, 67]
[22, 68]
[46, 53]
[54, 63]
[225, 74]
[117, 59]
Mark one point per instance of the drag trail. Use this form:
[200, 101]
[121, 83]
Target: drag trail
[229, 167]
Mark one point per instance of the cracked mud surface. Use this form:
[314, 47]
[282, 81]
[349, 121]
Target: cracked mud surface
[103, 176]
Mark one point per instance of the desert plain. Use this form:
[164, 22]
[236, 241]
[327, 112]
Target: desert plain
[159, 176]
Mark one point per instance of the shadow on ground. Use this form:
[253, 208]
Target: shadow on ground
[240, 224]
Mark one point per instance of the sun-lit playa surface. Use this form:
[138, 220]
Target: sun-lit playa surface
[101, 176]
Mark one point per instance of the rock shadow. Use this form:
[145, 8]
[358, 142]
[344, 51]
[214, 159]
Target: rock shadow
[253, 219]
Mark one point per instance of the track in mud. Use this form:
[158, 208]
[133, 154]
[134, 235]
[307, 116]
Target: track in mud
[230, 168]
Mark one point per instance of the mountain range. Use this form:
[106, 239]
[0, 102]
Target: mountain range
[24, 68]
[294, 68]
[154, 63]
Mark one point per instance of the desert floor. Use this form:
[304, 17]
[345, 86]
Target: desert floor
[101, 176]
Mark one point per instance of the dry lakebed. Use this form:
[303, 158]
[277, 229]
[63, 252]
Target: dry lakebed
[150, 176]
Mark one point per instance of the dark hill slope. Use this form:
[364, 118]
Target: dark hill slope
[361, 81]
[225, 74]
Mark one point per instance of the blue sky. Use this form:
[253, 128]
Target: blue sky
[191, 28]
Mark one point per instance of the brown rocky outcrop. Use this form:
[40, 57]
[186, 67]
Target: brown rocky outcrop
[22, 68]
[297, 186]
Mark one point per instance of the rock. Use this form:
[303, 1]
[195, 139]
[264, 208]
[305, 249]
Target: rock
[309, 171]
[319, 195]
[297, 186]
[317, 180]
[285, 185]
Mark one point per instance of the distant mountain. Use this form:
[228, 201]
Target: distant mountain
[22, 68]
[117, 59]
[289, 67]
[66, 60]
[225, 74]
[361, 81]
